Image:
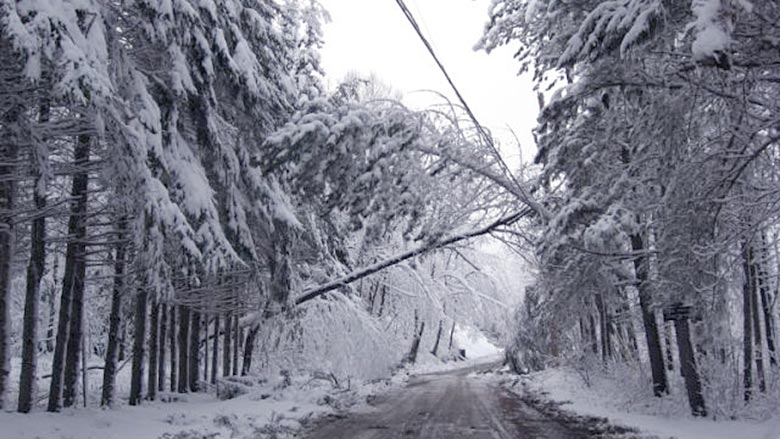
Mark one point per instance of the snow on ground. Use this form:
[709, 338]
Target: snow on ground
[265, 411]
[566, 386]
[479, 350]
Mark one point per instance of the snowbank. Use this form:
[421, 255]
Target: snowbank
[566, 386]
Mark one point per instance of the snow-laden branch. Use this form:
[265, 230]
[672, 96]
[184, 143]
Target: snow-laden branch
[379, 266]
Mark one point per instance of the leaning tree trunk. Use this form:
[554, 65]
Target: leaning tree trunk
[194, 350]
[112, 347]
[154, 332]
[249, 345]
[9, 151]
[660, 384]
[184, 331]
[32, 294]
[139, 332]
[688, 367]
[77, 232]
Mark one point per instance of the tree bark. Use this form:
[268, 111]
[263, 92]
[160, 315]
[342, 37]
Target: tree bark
[77, 231]
[183, 342]
[668, 344]
[154, 328]
[215, 350]
[660, 384]
[161, 345]
[206, 349]
[758, 342]
[139, 333]
[236, 343]
[9, 151]
[226, 346]
[194, 351]
[110, 368]
[688, 366]
[747, 326]
[435, 350]
[452, 335]
[35, 269]
[249, 346]
[766, 305]
[172, 335]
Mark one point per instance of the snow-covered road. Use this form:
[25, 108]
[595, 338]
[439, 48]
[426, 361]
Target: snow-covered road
[454, 405]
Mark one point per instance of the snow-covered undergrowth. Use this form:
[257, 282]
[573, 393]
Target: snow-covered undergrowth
[622, 397]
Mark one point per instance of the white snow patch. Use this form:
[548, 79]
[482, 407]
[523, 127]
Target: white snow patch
[565, 385]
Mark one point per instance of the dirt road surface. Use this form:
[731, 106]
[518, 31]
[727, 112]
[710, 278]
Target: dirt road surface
[455, 405]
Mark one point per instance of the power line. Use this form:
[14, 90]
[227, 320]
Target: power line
[480, 129]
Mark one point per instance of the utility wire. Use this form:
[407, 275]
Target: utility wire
[480, 129]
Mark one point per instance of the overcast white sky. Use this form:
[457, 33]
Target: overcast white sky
[373, 36]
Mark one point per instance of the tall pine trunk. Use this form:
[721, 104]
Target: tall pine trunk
[139, 335]
[9, 151]
[161, 347]
[236, 343]
[758, 342]
[215, 351]
[249, 345]
[747, 326]
[194, 350]
[35, 269]
[226, 346]
[77, 233]
[154, 332]
[658, 372]
[112, 347]
[183, 342]
[172, 335]
[66, 368]
[435, 350]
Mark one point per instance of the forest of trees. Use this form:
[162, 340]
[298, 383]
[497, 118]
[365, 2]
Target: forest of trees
[658, 148]
[181, 193]
[176, 183]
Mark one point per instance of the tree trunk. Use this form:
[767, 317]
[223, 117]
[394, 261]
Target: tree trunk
[249, 346]
[172, 336]
[161, 345]
[416, 344]
[594, 338]
[77, 232]
[154, 328]
[215, 350]
[9, 152]
[52, 295]
[236, 343]
[438, 337]
[139, 332]
[194, 351]
[766, 307]
[747, 326]
[226, 346]
[35, 267]
[606, 343]
[110, 368]
[184, 331]
[382, 303]
[688, 367]
[206, 350]
[668, 347]
[452, 335]
[758, 342]
[660, 385]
